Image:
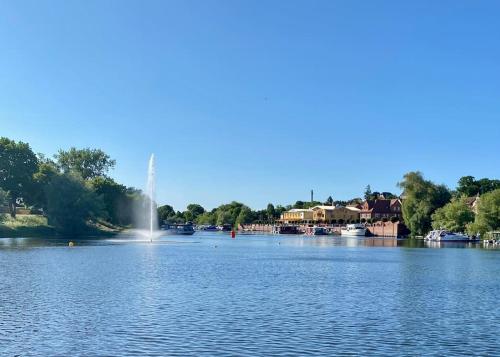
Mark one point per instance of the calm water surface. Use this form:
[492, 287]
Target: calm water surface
[255, 295]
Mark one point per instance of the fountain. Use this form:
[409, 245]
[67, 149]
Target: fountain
[145, 211]
[146, 215]
[150, 187]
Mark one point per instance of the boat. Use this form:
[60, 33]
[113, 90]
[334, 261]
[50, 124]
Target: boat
[178, 229]
[286, 230]
[225, 228]
[316, 231]
[353, 230]
[209, 228]
[442, 235]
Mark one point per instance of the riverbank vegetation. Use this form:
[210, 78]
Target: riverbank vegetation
[73, 194]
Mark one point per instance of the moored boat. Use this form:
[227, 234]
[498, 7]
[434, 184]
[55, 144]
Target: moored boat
[316, 231]
[178, 229]
[442, 235]
[353, 230]
[285, 230]
[208, 228]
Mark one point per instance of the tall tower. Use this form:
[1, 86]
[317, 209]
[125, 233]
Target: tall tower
[312, 196]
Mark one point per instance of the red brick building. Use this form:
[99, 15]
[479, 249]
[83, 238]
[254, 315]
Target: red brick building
[381, 208]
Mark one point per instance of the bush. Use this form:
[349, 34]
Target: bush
[394, 219]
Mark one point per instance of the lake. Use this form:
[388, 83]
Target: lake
[255, 295]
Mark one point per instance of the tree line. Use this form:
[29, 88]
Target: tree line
[427, 205]
[72, 189]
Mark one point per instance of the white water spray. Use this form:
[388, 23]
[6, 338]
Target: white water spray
[151, 196]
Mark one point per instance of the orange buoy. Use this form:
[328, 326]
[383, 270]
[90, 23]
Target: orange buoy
[233, 234]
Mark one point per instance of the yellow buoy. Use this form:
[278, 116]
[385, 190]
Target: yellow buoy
[70, 244]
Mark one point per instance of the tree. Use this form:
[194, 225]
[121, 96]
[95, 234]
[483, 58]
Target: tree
[368, 192]
[245, 216]
[47, 169]
[486, 185]
[165, 212]
[71, 203]
[468, 186]
[299, 204]
[279, 210]
[270, 212]
[422, 198]
[454, 216]
[488, 214]
[195, 210]
[118, 205]
[18, 163]
[329, 201]
[389, 195]
[89, 163]
[224, 217]
[206, 218]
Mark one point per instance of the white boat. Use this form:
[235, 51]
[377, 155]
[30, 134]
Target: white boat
[442, 235]
[353, 230]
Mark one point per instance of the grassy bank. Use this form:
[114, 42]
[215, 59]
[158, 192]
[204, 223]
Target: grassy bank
[37, 226]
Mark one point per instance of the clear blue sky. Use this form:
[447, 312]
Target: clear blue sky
[258, 101]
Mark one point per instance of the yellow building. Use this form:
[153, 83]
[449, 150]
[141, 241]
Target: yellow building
[331, 214]
[297, 215]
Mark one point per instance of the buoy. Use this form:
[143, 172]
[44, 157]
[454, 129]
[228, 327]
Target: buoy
[233, 234]
[70, 244]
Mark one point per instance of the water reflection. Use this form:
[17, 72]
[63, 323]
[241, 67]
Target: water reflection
[255, 295]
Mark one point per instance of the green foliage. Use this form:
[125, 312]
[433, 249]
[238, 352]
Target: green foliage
[368, 192]
[302, 204]
[329, 201]
[369, 195]
[421, 198]
[394, 219]
[165, 212]
[245, 216]
[89, 163]
[468, 186]
[71, 203]
[207, 218]
[454, 216]
[18, 163]
[119, 201]
[47, 169]
[4, 196]
[194, 210]
[24, 221]
[488, 214]
[270, 213]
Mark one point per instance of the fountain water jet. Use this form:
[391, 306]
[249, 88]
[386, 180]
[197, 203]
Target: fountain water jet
[151, 194]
